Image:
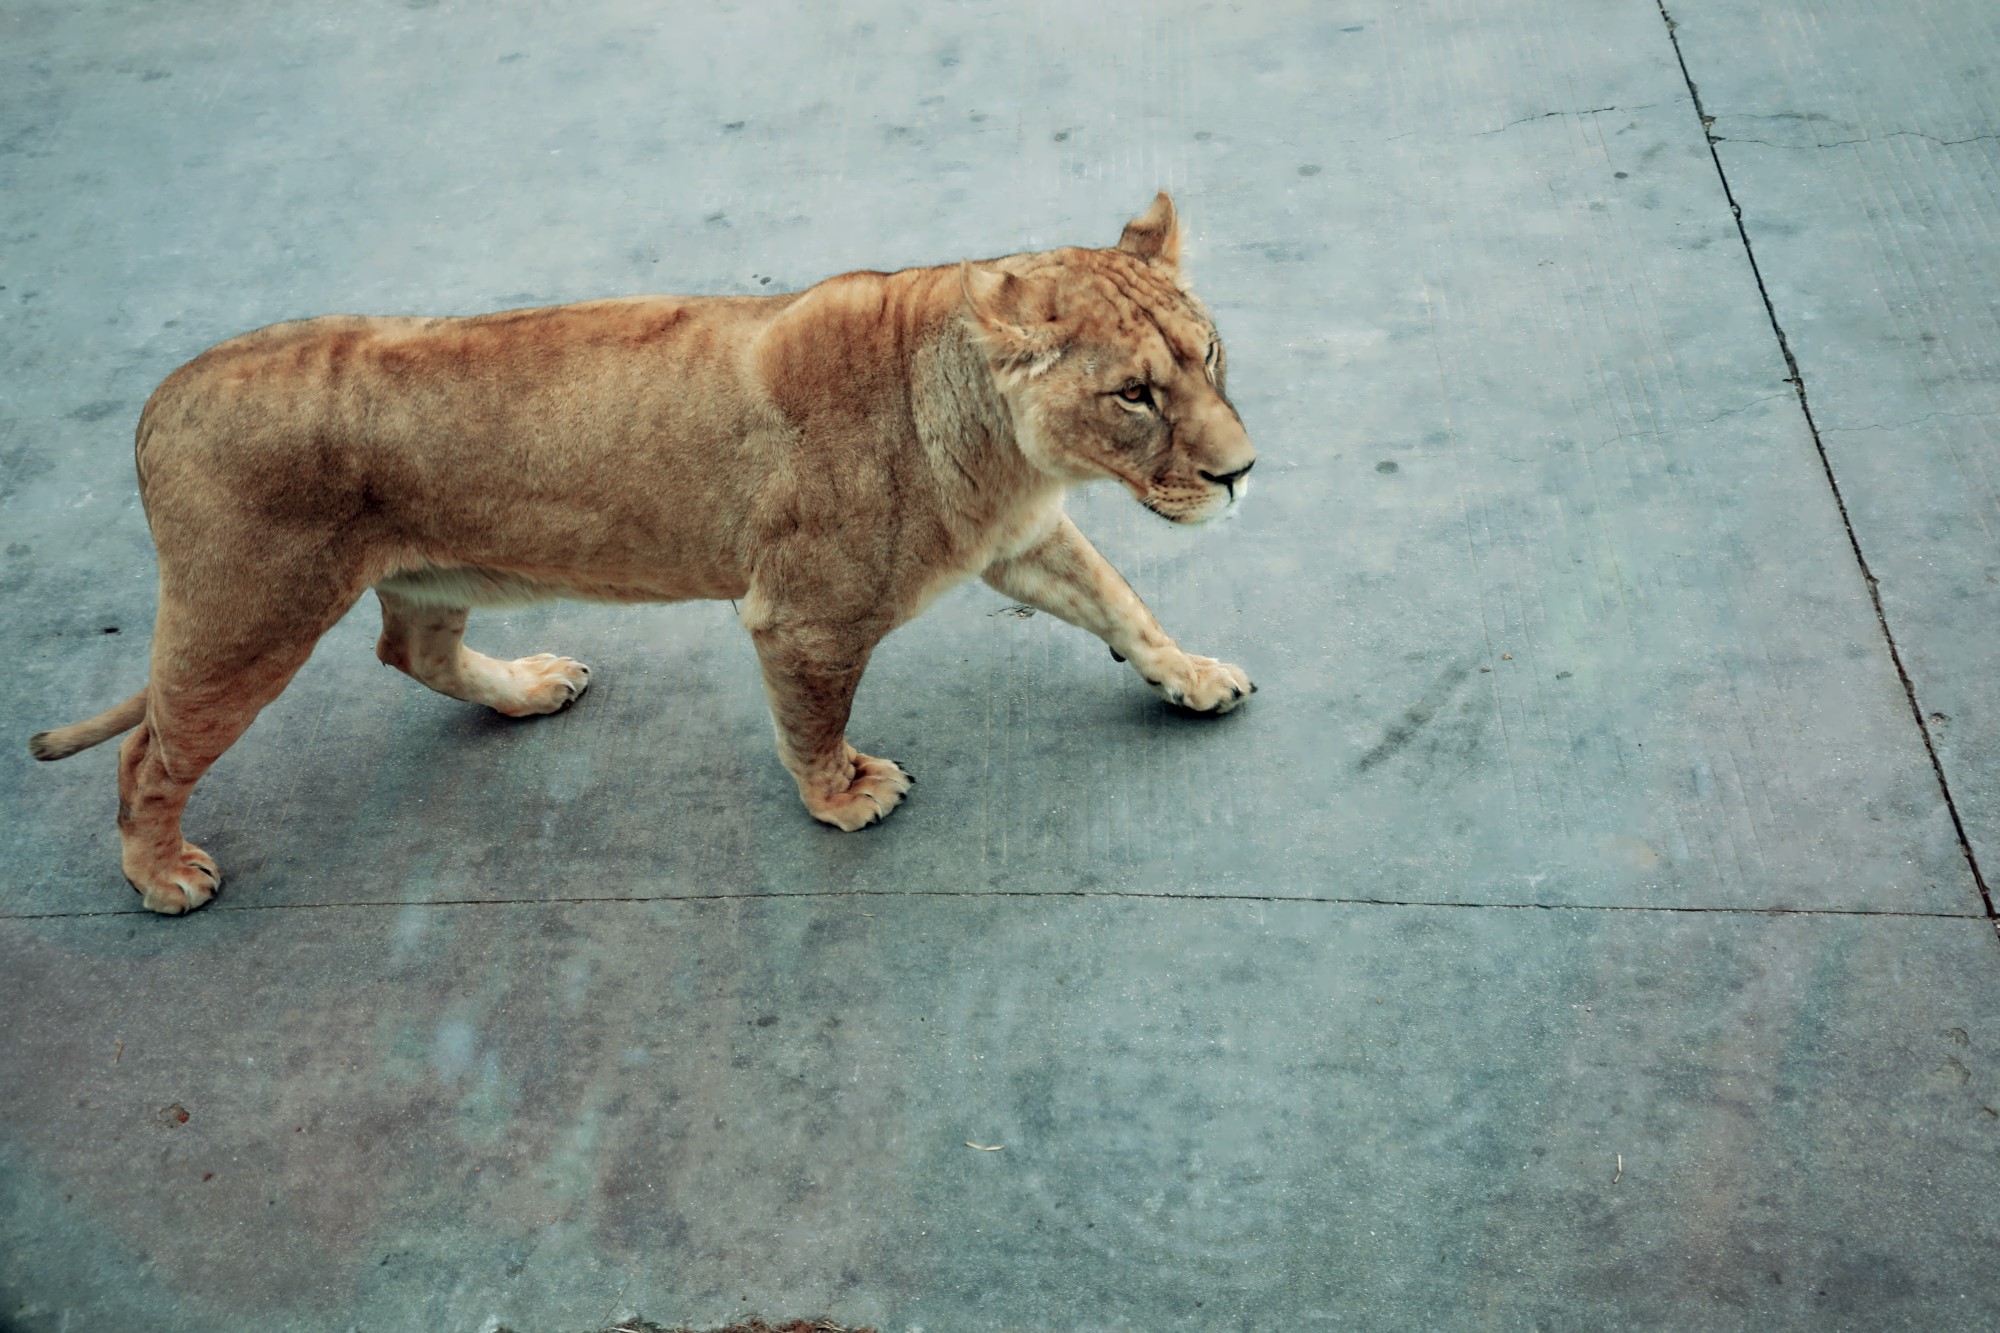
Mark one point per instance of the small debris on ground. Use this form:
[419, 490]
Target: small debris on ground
[985, 1147]
[754, 1326]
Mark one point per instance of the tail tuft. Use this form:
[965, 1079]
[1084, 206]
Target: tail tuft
[62, 742]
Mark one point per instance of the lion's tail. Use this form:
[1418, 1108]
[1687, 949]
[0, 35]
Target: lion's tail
[62, 742]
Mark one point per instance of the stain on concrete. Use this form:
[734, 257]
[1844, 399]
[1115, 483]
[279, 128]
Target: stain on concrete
[1407, 728]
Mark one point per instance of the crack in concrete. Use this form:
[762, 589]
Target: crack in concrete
[1550, 115]
[1838, 143]
[1666, 430]
[1113, 894]
[1798, 383]
[1738, 411]
[1728, 138]
[1916, 421]
[1948, 143]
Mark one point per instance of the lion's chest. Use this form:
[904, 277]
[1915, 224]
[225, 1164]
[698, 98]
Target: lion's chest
[1001, 538]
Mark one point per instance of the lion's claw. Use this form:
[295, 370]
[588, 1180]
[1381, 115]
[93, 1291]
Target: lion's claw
[182, 884]
[876, 788]
[544, 683]
[1203, 685]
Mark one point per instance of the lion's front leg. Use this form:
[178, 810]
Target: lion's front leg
[1065, 576]
[810, 675]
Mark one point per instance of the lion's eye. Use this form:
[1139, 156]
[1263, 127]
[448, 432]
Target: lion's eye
[1136, 393]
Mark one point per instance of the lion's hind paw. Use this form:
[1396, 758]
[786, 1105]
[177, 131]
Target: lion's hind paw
[179, 885]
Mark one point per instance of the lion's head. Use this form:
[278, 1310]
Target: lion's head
[1112, 368]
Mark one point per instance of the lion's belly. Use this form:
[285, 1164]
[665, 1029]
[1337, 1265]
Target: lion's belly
[475, 586]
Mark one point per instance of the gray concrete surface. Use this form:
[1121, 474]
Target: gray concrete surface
[1576, 932]
[1870, 181]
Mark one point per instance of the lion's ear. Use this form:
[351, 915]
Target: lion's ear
[1155, 235]
[1016, 317]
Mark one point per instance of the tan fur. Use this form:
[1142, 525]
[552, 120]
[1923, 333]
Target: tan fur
[832, 459]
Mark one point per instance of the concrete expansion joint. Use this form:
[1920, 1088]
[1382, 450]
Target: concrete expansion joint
[984, 894]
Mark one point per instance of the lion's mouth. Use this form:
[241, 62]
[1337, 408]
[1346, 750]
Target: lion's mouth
[1195, 517]
[1191, 509]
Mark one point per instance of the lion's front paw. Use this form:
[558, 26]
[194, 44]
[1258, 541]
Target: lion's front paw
[544, 683]
[178, 884]
[1203, 685]
[877, 787]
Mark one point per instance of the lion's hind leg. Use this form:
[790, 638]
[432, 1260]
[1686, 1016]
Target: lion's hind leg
[212, 673]
[427, 643]
[172, 875]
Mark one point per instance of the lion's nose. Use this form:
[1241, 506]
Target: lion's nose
[1228, 480]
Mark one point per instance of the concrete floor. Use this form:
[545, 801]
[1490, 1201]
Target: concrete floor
[1582, 929]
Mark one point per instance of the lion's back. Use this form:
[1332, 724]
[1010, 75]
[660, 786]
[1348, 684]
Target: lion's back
[630, 422]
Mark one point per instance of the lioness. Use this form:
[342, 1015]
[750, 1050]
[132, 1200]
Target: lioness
[832, 459]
